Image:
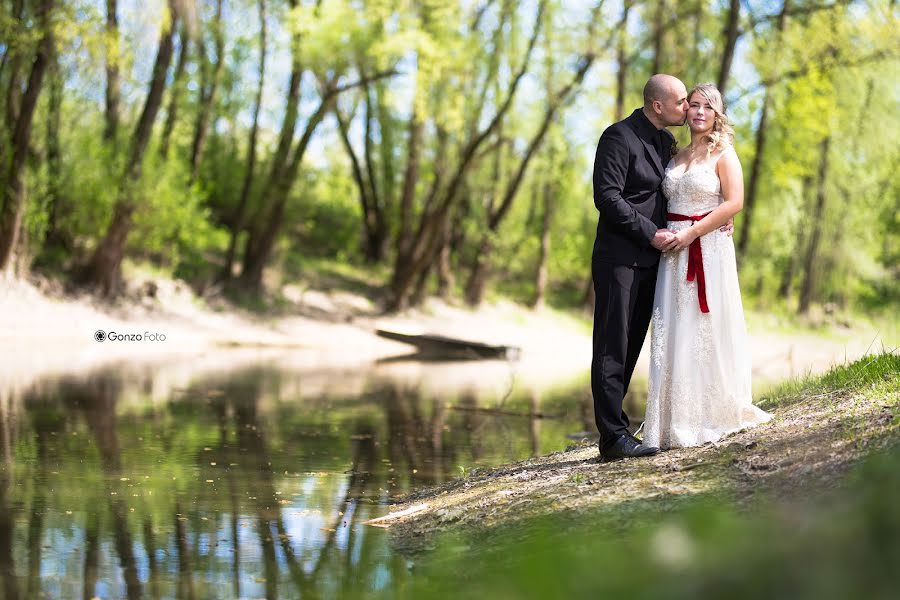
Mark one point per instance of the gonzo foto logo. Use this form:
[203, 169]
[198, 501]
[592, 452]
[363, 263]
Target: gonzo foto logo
[113, 336]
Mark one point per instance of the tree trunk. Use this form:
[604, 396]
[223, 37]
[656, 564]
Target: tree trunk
[54, 238]
[622, 61]
[731, 34]
[14, 88]
[479, 276]
[104, 269]
[785, 288]
[14, 190]
[540, 283]
[809, 275]
[755, 169]
[113, 94]
[425, 245]
[240, 215]
[658, 35]
[410, 180]
[446, 280]
[262, 240]
[177, 88]
[208, 93]
[761, 132]
[373, 219]
[279, 159]
[475, 291]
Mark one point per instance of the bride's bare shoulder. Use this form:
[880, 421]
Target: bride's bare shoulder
[727, 152]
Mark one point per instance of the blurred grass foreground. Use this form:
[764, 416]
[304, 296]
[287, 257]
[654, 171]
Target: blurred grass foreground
[825, 538]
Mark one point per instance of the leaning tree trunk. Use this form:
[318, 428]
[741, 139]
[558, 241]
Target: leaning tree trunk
[113, 94]
[809, 274]
[622, 61]
[262, 241]
[373, 218]
[208, 94]
[177, 88]
[14, 191]
[731, 35]
[104, 269]
[240, 215]
[277, 166]
[425, 244]
[475, 290]
[755, 169]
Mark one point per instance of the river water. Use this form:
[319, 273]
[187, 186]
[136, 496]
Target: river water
[251, 481]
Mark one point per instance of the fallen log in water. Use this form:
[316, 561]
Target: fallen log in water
[441, 347]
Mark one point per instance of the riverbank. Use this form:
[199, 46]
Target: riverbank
[330, 327]
[822, 427]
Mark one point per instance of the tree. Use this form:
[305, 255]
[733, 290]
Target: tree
[104, 269]
[239, 218]
[14, 190]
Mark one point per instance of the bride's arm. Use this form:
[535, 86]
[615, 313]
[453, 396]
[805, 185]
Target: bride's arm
[728, 168]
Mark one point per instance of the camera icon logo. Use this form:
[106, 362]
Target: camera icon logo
[99, 335]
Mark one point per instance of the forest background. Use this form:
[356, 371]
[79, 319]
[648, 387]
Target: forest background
[432, 147]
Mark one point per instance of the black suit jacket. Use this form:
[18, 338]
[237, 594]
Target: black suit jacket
[628, 174]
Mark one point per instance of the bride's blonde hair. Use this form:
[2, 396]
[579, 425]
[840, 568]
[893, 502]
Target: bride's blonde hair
[722, 134]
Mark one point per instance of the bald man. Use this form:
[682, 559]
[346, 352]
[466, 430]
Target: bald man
[628, 171]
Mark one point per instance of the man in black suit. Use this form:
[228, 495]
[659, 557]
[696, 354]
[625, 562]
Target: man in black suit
[628, 173]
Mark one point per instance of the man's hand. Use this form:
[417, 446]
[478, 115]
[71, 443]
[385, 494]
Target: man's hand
[663, 240]
[728, 227]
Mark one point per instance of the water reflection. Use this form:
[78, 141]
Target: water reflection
[239, 484]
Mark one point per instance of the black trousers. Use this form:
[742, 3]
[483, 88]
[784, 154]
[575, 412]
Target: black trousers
[622, 312]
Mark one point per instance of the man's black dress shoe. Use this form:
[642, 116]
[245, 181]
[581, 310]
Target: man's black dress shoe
[626, 447]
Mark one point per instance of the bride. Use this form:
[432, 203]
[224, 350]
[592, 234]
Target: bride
[699, 361]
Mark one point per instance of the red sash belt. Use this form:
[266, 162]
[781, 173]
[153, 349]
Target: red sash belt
[695, 261]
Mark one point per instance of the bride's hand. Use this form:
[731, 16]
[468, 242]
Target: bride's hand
[684, 238]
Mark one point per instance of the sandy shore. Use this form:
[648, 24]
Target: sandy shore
[44, 332]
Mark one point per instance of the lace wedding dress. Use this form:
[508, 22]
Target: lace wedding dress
[699, 385]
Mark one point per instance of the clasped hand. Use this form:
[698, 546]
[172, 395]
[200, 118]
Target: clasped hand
[667, 240]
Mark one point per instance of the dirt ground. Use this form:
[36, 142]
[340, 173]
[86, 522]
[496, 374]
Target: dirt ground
[806, 447]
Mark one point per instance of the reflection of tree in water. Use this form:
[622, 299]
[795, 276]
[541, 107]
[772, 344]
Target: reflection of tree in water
[210, 515]
[95, 399]
[46, 422]
[177, 542]
[429, 448]
[240, 400]
[7, 441]
[415, 444]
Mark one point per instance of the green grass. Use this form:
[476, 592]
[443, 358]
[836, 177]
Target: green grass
[881, 373]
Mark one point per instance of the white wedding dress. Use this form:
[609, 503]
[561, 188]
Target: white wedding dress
[699, 385]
